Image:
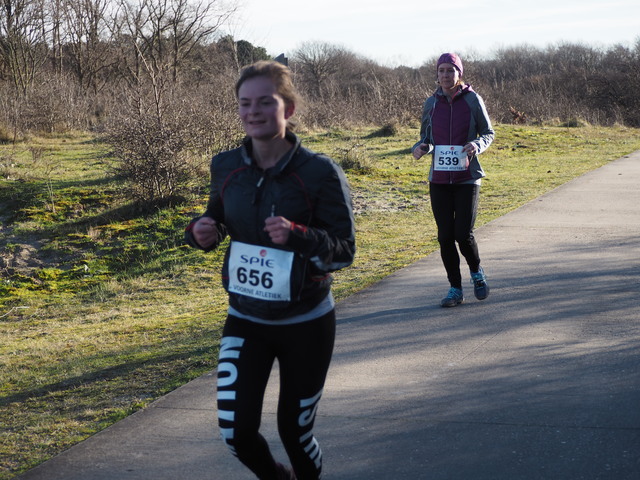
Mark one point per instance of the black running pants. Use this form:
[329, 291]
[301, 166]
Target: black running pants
[247, 353]
[455, 207]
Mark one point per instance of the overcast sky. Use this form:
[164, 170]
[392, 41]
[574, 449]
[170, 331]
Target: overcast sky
[408, 32]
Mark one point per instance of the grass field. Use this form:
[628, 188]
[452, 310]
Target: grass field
[102, 309]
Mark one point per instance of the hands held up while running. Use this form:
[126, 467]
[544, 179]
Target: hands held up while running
[205, 232]
[420, 150]
[470, 149]
[278, 229]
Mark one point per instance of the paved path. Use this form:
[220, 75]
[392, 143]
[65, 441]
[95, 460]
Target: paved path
[540, 381]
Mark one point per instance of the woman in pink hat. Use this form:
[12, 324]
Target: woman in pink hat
[455, 129]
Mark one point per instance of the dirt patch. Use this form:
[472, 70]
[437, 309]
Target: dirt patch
[20, 258]
[368, 202]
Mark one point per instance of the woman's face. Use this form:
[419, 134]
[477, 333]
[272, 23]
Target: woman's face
[262, 109]
[448, 76]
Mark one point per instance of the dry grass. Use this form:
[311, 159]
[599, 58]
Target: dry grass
[109, 310]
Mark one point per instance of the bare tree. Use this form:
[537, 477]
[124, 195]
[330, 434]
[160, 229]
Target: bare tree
[87, 39]
[159, 37]
[55, 19]
[190, 24]
[157, 140]
[23, 48]
[316, 62]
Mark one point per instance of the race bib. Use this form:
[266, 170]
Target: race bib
[260, 272]
[449, 158]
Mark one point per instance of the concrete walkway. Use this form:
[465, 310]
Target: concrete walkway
[539, 381]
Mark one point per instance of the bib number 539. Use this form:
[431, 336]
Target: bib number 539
[449, 158]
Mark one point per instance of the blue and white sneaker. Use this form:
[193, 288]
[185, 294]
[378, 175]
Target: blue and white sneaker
[453, 298]
[479, 282]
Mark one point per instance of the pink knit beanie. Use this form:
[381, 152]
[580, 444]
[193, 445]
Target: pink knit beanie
[451, 58]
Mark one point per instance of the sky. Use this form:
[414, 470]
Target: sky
[411, 32]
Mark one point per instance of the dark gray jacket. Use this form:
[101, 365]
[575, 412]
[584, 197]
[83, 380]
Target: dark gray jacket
[306, 188]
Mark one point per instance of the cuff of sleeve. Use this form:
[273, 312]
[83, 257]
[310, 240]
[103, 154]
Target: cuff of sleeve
[298, 228]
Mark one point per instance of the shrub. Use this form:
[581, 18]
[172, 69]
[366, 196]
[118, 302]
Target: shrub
[161, 156]
[390, 129]
[353, 158]
[5, 135]
[152, 158]
[574, 123]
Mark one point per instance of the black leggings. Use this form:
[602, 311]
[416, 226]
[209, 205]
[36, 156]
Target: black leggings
[455, 207]
[247, 353]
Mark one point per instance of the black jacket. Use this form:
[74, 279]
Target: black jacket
[306, 188]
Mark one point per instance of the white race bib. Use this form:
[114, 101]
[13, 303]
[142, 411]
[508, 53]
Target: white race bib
[260, 272]
[449, 158]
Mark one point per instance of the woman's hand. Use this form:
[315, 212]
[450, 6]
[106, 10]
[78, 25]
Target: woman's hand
[278, 229]
[205, 232]
[470, 149]
[420, 150]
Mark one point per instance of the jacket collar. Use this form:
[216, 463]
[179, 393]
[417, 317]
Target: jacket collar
[461, 91]
[246, 150]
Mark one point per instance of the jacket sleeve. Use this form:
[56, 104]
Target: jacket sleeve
[484, 129]
[329, 240]
[214, 210]
[425, 125]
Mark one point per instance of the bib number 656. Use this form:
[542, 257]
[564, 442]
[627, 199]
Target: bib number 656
[255, 277]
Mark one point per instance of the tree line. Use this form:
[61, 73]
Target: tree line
[156, 77]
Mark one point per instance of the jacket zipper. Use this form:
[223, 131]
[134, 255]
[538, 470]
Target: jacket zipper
[257, 200]
[450, 134]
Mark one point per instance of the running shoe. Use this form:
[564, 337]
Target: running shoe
[453, 298]
[479, 282]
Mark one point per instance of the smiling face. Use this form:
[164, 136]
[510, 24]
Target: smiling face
[262, 109]
[448, 76]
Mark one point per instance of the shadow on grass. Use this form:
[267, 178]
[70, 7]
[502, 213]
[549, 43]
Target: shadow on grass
[200, 355]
